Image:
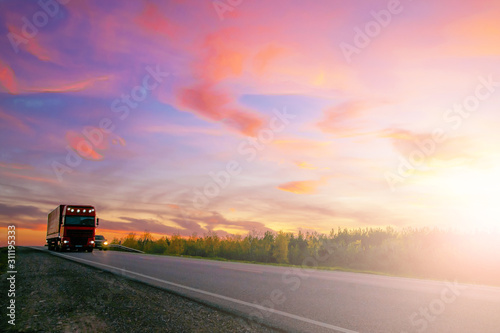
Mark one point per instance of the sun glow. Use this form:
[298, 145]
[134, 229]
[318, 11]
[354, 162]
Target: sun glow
[469, 197]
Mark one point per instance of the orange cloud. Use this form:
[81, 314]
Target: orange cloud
[223, 57]
[265, 56]
[308, 166]
[397, 134]
[473, 35]
[226, 64]
[303, 186]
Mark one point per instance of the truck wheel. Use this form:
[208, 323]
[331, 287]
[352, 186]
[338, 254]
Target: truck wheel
[90, 250]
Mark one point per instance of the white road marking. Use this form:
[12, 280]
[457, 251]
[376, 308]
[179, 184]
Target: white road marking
[226, 298]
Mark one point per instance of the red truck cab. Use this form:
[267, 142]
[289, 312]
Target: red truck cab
[72, 227]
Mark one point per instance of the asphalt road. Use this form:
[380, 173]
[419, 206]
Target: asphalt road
[297, 300]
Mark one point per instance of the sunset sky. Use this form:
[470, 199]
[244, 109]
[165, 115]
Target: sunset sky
[237, 115]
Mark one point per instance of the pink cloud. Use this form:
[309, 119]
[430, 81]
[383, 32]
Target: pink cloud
[16, 166]
[223, 56]
[92, 142]
[214, 105]
[31, 45]
[46, 78]
[70, 86]
[28, 177]
[474, 35]
[175, 129]
[338, 119]
[152, 21]
[38, 51]
[9, 121]
[8, 79]
[82, 146]
[262, 60]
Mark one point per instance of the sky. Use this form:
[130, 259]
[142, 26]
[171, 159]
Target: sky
[237, 116]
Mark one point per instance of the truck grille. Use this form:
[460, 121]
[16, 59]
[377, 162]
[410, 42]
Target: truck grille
[79, 233]
[79, 241]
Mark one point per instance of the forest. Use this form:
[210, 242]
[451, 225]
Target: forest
[412, 252]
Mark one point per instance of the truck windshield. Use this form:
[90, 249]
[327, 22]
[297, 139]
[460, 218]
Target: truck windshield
[87, 221]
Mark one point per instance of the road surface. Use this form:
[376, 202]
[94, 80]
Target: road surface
[299, 300]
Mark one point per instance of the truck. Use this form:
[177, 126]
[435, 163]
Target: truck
[71, 227]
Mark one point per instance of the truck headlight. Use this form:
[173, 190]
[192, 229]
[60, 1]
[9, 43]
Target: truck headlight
[65, 241]
[91, 242]
[105, 243]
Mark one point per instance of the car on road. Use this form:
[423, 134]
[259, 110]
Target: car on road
[101, 243]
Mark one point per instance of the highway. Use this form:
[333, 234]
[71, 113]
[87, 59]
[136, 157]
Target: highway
[298, 300]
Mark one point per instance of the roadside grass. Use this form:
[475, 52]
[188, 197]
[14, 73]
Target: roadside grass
[54, 294]
[420, 253]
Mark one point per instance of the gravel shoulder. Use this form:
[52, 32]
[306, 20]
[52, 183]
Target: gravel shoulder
[56, 295]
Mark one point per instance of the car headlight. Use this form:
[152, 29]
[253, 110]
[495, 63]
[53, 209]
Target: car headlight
[105, 243]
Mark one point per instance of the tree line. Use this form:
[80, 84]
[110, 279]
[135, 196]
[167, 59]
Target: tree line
[416, 252]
